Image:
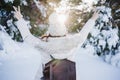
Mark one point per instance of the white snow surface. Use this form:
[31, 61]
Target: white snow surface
[18, 61]
[93, 68]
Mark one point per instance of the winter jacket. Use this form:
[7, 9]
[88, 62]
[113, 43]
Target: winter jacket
[59, 47]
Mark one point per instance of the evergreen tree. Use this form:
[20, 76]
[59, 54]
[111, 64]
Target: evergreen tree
[104, 37]
[7, 20]
[115, 6]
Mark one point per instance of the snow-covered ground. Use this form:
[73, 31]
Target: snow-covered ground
[18, 61]
[91, 67]
[23, 62]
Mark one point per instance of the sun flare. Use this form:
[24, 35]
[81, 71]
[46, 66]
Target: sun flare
[62, 18]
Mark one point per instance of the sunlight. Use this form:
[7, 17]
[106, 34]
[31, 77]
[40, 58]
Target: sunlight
[62, 14]
[62, 18]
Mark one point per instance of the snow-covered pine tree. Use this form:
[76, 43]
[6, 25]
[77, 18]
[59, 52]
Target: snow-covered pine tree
[104, 39]
[115, 7]
[7, 19]
[33, 11]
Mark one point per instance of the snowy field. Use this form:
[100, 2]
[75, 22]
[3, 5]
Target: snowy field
[18, 61]
[93, 68]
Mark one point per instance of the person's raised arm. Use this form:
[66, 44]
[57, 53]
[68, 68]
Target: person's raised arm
[21, 23]
[23, 28]
[79, 39]
[87, 27]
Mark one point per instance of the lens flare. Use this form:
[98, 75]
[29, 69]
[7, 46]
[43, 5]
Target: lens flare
[62, 18]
